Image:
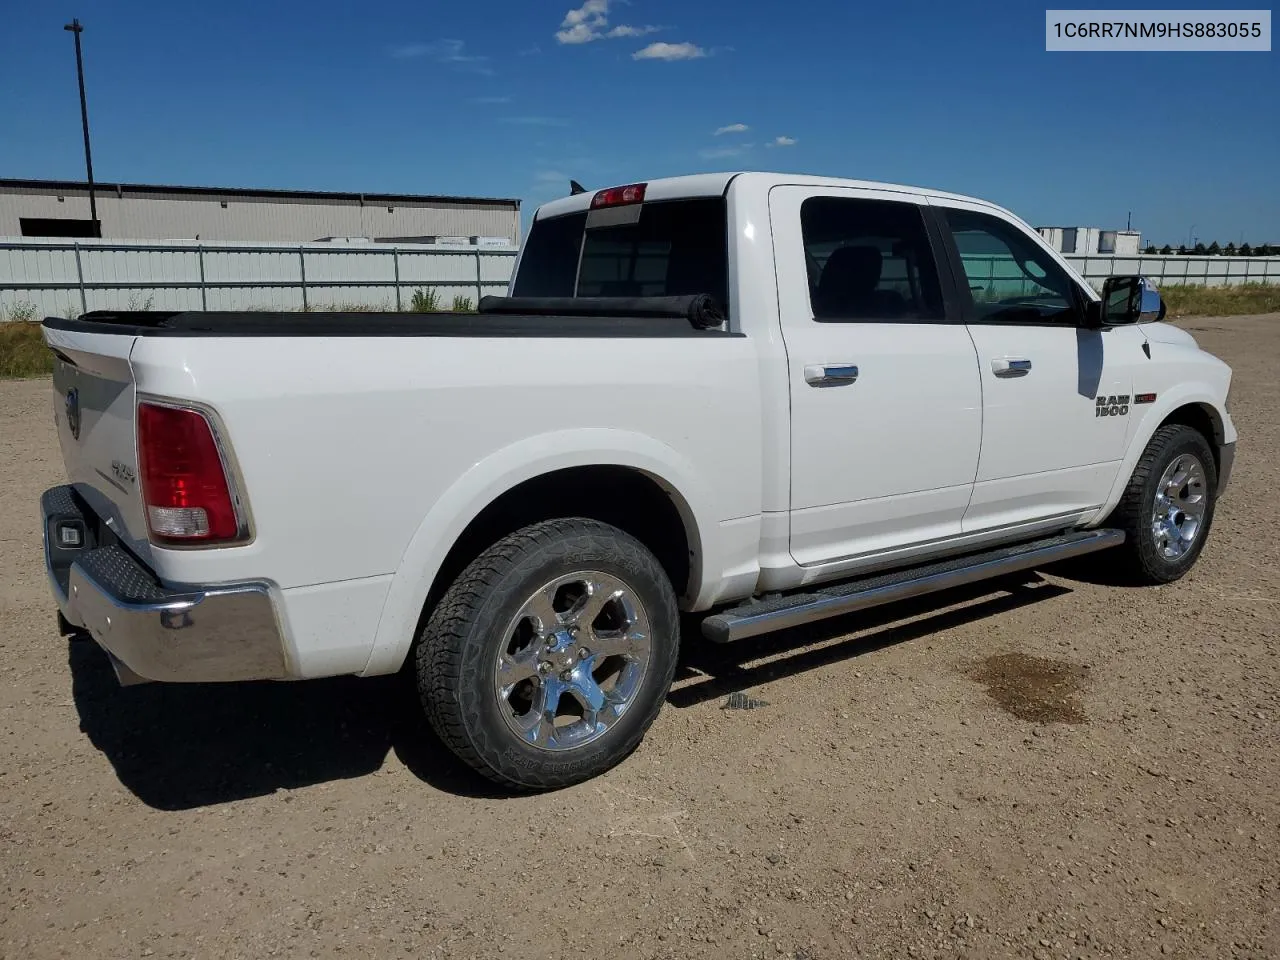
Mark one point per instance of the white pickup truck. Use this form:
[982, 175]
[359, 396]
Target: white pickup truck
[757, 398]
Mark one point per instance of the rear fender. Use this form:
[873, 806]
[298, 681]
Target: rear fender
[505, 469]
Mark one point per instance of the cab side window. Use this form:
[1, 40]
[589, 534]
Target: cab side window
[1009, 277]
[869, 260]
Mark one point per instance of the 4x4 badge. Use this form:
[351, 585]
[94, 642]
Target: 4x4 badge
[73, 412]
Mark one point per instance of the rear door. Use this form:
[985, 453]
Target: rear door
[886, 404]
[93, 410]
[1056, 395]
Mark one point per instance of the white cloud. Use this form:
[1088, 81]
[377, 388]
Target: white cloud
[536, 121]
[444, 51]
[731, 128]
[411, 50]
[551, 176]
[782, 142]
[629, 31]
[720, 153]
[669, 51]
[578, 33]
[585, 23]
[593, 11]
[591, 22]
[490, 100]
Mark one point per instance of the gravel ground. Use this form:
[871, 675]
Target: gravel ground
[1058, 769]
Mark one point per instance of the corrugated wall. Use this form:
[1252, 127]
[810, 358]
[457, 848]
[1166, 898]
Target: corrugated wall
[140, 216]
[65, 278]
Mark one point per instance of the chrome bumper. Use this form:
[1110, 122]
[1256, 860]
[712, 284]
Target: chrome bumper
[155, 631]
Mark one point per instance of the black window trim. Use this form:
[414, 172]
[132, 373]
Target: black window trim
[1079, 307]
[952, 312]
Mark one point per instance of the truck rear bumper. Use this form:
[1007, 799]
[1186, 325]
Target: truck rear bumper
[180, 633]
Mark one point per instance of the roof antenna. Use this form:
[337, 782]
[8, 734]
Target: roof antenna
[576, 188]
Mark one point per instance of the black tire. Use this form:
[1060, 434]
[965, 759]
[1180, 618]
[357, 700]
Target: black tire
[458, 651]
[1140, 560]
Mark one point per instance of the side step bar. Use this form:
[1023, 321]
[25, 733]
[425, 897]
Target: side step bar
[792, 610]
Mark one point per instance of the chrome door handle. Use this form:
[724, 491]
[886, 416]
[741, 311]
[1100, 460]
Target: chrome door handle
[830, 374]
[1007, 368]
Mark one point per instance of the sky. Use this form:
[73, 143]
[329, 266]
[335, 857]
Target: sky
[511, 98]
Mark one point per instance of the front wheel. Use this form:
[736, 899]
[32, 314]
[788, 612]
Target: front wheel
[548, 659]
[1167, 509]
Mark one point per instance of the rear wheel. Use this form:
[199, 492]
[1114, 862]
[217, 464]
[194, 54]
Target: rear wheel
[1168, 507]
[548, 659]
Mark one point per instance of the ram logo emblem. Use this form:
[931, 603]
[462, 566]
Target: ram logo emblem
[1112, 406]
[73, 412]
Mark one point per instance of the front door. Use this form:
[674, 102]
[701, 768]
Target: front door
[886, 400]
[1056, 395]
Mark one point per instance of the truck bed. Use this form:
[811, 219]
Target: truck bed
[498, 317]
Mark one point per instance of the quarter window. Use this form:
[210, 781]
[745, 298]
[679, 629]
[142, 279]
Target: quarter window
[869, 260]
[1010, 278]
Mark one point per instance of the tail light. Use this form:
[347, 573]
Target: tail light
[619, 196]
[185, 487]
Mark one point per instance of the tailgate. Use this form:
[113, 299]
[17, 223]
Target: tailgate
[93, 407]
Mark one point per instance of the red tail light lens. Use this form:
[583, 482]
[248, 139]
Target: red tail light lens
[619, 196]
[184, 484]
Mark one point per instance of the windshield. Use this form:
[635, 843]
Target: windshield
[676, 248]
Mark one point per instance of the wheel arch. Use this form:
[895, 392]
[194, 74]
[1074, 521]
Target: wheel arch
[1192, 404]
[1203, 417]
[633, 482]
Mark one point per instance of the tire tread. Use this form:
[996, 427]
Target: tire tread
[442, 645]
[1136, 557]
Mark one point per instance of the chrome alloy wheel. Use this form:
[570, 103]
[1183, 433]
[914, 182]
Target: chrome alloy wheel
[1182, 496]
[572, 660]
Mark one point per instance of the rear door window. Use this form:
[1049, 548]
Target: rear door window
[869, 260]
[676, 248]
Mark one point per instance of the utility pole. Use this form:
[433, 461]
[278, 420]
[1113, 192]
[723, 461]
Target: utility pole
[75, 28]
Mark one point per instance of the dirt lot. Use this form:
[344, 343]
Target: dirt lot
[1058, 769]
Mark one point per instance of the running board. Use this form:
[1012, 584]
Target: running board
[793, 610]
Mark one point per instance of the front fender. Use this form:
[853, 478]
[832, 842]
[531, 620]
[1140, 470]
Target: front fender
[1197, 393]
[507, 468]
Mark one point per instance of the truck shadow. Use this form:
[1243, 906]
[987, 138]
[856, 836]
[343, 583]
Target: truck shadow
[709, 671]
[179, 746]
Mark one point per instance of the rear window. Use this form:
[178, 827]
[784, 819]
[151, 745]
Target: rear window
[676, 248]
[869, 260]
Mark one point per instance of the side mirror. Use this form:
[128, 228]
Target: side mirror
[1130, 300]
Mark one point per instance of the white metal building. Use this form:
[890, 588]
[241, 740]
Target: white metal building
[128, 211]
[1091, 240]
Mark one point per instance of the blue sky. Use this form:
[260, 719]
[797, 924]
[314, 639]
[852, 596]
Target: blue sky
[489, 99]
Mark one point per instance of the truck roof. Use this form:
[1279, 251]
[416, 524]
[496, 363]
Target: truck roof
[714, 184]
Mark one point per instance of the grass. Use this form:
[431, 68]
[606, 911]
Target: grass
[1193, 301]
[22, 350]
[425, 301]
[428, 301]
